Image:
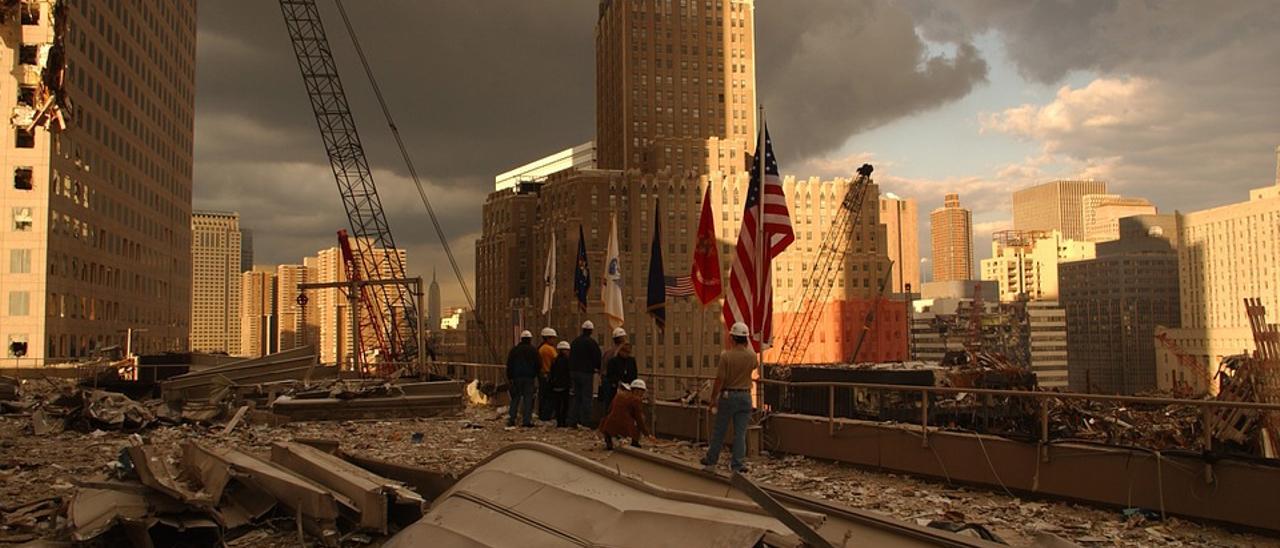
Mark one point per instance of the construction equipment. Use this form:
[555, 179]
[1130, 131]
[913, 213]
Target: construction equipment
[830, 263]
[397, 322]
[1194, 369]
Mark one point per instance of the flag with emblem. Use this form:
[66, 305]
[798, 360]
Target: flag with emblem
[582, 274]
[613, 278]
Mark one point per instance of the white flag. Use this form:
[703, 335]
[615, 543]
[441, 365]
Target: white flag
[549, 276]
[613, 278]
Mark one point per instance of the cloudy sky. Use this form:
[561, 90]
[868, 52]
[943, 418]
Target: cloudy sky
[1173, 101]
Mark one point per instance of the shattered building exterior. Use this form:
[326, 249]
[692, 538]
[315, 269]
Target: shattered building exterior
[96, 208]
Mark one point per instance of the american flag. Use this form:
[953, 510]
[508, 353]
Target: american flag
[750, 299]
[679, 286]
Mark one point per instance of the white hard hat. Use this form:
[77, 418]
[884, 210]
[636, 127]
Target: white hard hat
[588, 325]
[638, 384]
[619, 333]
[548, 332]
[563, 345]
[739, 329]
[526, 334]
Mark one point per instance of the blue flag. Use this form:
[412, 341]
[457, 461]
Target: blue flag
[657, 300]
[582, 274]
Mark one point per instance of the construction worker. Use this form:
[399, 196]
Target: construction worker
[584, 362]
[522, 369]
[546, 355]
[620, 370]
[626, 416]
[619, 337]
[731, 400]
[561, 382]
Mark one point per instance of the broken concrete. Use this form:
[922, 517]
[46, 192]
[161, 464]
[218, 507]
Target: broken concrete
[373, 496]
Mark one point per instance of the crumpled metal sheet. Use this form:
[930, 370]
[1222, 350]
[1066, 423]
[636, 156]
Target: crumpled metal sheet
[546, 496]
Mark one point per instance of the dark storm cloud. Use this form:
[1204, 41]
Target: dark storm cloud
[480, 86]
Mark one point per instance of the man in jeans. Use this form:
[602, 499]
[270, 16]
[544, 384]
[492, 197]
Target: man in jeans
[732, 400]
[522, 369]
[584, 362]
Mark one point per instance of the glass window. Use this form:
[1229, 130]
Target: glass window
[19, 303]
[19, 261]
[22, 219]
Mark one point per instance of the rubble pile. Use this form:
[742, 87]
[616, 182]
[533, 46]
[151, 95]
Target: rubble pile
[1151, 427]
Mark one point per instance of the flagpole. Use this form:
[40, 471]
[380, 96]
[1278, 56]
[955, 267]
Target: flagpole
[761, 152]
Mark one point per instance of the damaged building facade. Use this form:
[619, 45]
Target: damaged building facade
[96, 205]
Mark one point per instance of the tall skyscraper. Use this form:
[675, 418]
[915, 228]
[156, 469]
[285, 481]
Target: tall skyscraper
[951, 237]
[96, 221]
[216, 282]
[258, 312]
[291, 316]
[246, 249]
[433, 304]
[675, 84]
[1056, 205]
[1114, 304]
[902, 232]
[1102, 214]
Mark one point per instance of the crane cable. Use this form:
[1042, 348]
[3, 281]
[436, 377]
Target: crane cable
[413, 173]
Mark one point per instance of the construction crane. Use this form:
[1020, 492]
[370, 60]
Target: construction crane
[830, 261]
[391, 315]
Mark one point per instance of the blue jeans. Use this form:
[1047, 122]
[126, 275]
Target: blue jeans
[522, 400]
[580, 410]
[735, 406]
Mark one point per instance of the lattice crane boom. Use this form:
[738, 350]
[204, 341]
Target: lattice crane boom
[395, 323]
[830, 262]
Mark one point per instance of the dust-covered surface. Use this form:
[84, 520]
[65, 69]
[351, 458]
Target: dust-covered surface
[35, 467]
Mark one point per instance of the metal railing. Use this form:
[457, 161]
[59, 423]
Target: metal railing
[1018, 414]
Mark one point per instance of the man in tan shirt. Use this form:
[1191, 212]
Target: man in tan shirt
[731, 400]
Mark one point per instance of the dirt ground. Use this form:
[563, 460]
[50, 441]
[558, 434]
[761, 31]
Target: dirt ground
[33, 467]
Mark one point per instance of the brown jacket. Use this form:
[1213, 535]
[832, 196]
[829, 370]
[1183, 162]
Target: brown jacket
[626, 416]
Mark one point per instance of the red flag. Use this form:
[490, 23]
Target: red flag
[766, 232]
[706, 258]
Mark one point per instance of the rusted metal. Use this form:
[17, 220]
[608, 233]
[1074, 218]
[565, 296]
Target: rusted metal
[924, 419]
[831, 410]
[296, 364]
[321, 409]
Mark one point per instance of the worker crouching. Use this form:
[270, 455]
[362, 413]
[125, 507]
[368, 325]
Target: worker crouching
[626, 416]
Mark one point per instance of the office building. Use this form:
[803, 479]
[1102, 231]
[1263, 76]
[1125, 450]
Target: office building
[1046, 342]
[96, 233]
[433, 305]
[1025, 263]
[1226, 254]
[951, 237]
[579, 157]
[902, 234]
[292, 328]
[1102, 214]
[1056, 205]
[1116, 302]
[675, 84]
[216, 282]
[258, 336]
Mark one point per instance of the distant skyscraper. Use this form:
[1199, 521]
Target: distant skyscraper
[1056, 205]
[215, 307]
[951, 235]
[246, 250]
[95, 210]
[675, 84]
[902, 229]
[433, 304]
[1102, 214]
[258, 312]
[291, 317]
